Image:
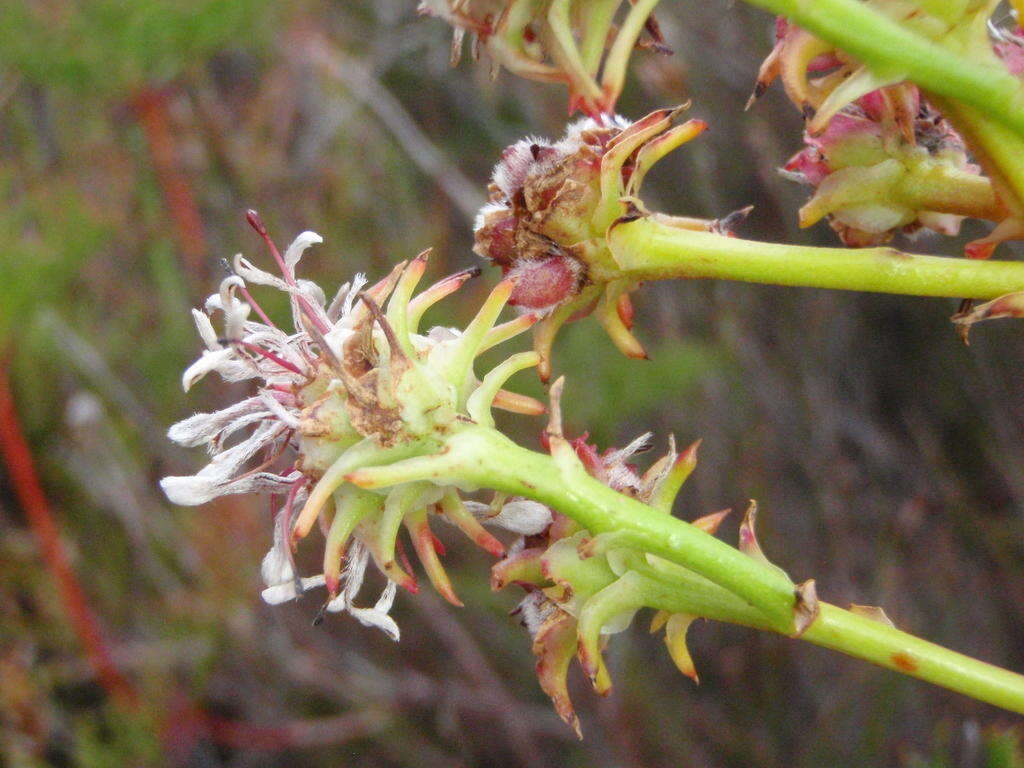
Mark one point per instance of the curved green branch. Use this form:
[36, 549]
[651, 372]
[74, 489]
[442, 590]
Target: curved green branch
[485, 458]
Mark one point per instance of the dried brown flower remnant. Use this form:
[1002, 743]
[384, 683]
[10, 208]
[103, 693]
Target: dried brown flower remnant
[551, 206]
[575, 42]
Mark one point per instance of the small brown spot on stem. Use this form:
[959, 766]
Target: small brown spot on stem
[904, 662]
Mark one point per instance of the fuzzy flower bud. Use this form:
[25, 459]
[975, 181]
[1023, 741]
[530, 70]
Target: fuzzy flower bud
[354, 383]
[889, 163]
[580, 46]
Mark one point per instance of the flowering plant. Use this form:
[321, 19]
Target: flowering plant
[363, 425]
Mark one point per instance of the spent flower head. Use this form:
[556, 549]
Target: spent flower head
[575, 43]
[582, 589]
[352, 383]
[551, 207]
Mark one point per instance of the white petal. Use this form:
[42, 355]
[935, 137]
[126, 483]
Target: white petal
[188, 491]
[274, 406]
[355, 570]
[203, 427]
[276, 567]
[205, 328]
[369, 617]
[253, 274]
[522, 516]
[640, 444]
[299, 246]
[209, 361]
[387, 598]
[282, 593]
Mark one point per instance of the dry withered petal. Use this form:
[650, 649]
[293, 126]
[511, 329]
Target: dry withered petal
[585, 46]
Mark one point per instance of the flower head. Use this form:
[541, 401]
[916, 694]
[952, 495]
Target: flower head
[581, 589]
[887, 163]
[352, 383]
[561, 41]
[880, 158]
[551, 206]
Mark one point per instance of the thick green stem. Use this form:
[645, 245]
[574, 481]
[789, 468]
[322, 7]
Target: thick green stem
[961, 194]
[889, 48]
[648, 250]
[491, 460]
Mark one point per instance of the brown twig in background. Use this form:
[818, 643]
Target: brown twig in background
[150, 107]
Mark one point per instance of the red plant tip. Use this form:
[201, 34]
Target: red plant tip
[490, 545]
[625, 310]
[438, 545]
[256, 222]
[333, 584]
[979, 249]
[689, 456]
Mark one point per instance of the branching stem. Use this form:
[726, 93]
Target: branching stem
[482, 457]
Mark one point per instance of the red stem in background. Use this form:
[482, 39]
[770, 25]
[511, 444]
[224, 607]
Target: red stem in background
[17, 458]
[150, 107]
[25, 481]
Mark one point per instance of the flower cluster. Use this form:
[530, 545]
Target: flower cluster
[581, 589]
[576, 43]
[821, 79]
[880, 158]
[551, 206]
[354, 383]
[886, 163]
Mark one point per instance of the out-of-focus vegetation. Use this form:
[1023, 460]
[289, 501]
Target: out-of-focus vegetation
[886, 456]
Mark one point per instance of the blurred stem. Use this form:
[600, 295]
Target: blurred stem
[892, 50]
[646, 249]
[150, 107]
[21, 471]
[491, 460]
[999, 149]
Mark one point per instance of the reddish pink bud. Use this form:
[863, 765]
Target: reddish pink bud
[542, 284]
[1011, 50]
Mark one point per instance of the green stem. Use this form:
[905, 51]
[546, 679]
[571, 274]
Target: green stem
[999, 150]
[646, 249]
[892, 49]
[881, 644]
[489, 459]
[959, 193]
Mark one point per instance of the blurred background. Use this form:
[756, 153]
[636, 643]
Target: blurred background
[885, 455]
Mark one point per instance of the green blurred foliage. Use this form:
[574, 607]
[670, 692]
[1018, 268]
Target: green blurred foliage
[49, 232]
[107, 46]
